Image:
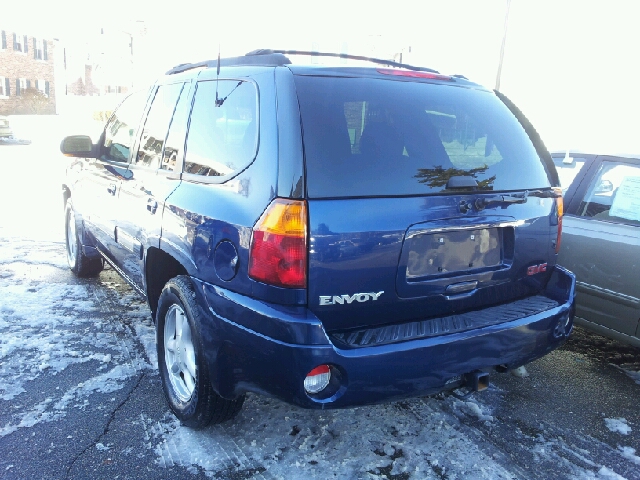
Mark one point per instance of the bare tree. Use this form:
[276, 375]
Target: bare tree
[34, 100]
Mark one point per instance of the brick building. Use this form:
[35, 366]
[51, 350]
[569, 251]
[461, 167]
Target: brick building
[26, 74]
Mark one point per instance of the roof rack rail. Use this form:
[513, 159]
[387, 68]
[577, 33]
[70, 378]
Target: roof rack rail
[278, 58]
[380, 61]
[275, 59]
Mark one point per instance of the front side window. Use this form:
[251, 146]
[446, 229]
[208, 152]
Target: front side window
[3, 87]
[614, 194]
[121, 129]
[156, 125]
[369, 137]
[222, 138]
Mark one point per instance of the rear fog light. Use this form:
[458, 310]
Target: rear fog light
[317, 379]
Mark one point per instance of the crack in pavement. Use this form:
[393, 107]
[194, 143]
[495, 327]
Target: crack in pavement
[107, 426]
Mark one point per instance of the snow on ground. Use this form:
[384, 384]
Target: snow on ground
[618, 425]
[47, 327]
[411, 440]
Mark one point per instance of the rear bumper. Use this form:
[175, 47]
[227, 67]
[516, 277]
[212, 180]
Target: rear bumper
[252, 346]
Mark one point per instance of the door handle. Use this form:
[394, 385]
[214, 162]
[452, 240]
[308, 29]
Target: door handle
[112, 189]
[152, 206]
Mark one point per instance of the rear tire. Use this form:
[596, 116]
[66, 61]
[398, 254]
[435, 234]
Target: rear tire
[79, 263]
[183, 368]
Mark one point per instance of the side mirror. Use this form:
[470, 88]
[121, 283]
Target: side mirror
[605, 186]
[77, 146]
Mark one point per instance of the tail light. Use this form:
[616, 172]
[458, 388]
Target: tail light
[278, 254]
[560, 206]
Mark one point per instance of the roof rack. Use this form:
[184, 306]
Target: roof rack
[278, 58]
[380, 61]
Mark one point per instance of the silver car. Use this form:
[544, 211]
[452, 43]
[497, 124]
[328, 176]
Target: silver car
[5, 129]
[601, 240]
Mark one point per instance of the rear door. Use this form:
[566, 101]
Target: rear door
[417, 201]
[150, 179]
[601, 245]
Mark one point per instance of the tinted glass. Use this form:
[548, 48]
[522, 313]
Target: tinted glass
[121, 129]
[174, 144]
[222, 139]
[614, 194]
[366, 137]
[156, 125]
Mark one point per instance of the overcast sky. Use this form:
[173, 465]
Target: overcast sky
[570, 65]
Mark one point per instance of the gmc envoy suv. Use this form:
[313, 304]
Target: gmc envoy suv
[331, 236]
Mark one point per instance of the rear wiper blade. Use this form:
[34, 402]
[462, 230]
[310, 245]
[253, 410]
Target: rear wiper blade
[545, 193]
[482, 202]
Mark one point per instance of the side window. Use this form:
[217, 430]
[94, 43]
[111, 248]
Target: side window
[222, 139]
[614, 194]
[156, 125]
[121, 129]
[568, 169]
[174, 145]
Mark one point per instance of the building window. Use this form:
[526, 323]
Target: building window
[21, 86]
[40, 85]
[20, 43]
[3, 45]
[3, 87]
[38, 49]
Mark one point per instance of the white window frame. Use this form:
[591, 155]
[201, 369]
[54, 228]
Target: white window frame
[19, 41]
[39, 53]
[23, 85]
[3, 84]
[41, 86]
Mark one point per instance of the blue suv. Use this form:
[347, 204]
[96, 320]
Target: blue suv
[330, 236]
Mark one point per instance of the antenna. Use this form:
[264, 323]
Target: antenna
[218, 102]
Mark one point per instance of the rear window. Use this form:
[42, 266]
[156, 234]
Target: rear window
[365, 137]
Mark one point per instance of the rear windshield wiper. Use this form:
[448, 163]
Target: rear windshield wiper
[482, 202]
[545, 193]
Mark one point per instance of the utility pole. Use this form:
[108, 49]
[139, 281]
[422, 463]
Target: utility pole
[504, 40]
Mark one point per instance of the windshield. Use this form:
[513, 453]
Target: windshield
[365, 137]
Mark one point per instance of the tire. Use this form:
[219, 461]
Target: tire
[183, 368]
[79, 263]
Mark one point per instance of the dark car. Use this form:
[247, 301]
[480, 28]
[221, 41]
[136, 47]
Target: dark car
[330, 236]
[601, 240]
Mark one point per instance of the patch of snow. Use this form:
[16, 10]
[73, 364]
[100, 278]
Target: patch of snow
[47, 327]
[630, 454]
[471, 408]
[618, 425]
[606, 474]
[635, 376]
[103, 448]
[415, 438]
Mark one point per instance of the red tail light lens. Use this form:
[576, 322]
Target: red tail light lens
[278, 254]
[560, 205]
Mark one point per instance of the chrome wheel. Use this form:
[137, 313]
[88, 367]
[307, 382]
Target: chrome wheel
[179, 353]
[72, 242]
